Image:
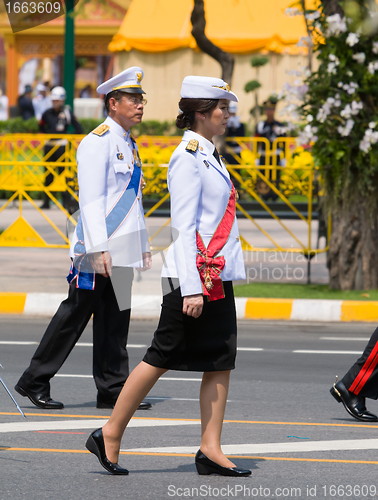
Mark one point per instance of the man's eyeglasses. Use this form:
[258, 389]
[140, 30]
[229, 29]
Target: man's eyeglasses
[137, 101]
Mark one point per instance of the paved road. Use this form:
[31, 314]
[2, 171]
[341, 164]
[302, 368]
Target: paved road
[280, 421]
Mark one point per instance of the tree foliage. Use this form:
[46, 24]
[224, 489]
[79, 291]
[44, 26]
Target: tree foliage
[340, 108]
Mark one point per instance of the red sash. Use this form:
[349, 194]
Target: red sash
[208, 264]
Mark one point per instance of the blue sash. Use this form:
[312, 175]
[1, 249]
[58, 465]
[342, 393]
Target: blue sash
[82, 266]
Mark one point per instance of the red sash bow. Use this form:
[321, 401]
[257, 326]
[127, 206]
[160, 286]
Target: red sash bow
[210, 265]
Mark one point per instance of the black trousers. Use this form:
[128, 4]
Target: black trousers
[110, 332]
[362, 378]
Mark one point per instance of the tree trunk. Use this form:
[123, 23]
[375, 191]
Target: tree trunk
[331, 7]
[309, 36]
[352, 256]
[198, 31]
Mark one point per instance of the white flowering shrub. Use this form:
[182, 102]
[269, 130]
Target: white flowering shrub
[340, 106]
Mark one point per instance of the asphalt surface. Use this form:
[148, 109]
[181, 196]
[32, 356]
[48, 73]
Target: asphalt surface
[278, 398]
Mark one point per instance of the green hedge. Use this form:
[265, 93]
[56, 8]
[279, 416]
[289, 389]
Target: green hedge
[148, 127]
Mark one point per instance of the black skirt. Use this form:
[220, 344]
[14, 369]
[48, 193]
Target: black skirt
[203, 344]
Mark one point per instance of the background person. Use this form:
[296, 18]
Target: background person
[41, 102]
[86, 92]
[25, 103]
[270, 128]
[234, 129]
[193, 334]
[4, 106]
[56, 120]
[109, 240]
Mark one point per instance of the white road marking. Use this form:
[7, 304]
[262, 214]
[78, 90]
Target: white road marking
[139, 346]
[291, 447]
[79, 344]
[162, 398]
[346, 338]
[178, 379]
[250, 349]
[85, 424]
[12, 342]
[304, 351]
[181, 379]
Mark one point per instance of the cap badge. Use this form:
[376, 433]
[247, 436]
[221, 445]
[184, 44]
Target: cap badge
[227, 87]
[139, 77]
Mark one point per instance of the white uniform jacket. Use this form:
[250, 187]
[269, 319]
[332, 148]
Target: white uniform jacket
[200, 188]
[105, 165]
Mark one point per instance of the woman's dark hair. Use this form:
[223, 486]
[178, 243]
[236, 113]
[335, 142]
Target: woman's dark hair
[117, 94]
[189, 106]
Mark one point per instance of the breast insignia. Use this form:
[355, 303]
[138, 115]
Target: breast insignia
[101, 129]
[192, 145]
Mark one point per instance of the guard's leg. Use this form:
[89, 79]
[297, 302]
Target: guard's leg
[110, 333]
[61, 336]
[362, 378]
[360, 382]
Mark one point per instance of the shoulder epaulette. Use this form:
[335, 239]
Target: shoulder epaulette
[192, 145]
[101, 129]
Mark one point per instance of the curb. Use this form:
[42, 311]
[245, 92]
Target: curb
[148, 307]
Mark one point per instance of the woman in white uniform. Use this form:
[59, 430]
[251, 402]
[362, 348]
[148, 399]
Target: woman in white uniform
[197, 327]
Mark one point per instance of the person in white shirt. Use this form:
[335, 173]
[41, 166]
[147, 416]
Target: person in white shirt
[41, 102]
[4, 107]
[197, 326]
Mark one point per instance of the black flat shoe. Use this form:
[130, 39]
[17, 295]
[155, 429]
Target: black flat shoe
[354, 405]
[95, 444]
[41, 400]
[205, 466]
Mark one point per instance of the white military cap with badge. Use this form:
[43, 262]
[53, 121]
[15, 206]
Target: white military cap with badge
[206, 87]
[127, 81]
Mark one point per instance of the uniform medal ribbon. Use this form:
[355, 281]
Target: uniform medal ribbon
[209, 265]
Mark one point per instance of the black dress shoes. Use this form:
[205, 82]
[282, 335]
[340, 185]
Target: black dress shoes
[95, 444]
[205, 466]
[354, 405]
[41, 400]
[109, 405]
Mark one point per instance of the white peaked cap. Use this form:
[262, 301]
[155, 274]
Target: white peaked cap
[206, 87]
[233, 107]
[127, 81]
[41, 88]
[58, 94]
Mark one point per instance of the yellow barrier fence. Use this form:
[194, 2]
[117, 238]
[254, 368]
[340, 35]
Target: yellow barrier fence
[39, 163]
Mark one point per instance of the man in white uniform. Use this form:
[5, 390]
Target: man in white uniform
[109, 240]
